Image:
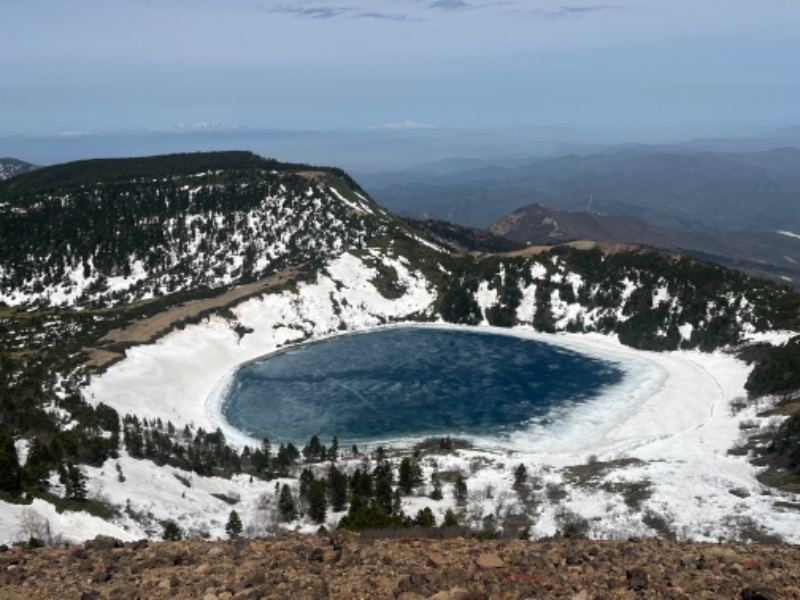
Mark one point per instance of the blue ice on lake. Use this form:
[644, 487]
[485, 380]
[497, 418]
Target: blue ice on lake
[410, 383]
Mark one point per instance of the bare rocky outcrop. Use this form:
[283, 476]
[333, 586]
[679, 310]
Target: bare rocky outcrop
[353, 566]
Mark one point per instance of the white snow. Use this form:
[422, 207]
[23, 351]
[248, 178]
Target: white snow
[527, 305]
[775, 338]
[660, 294]
[486, 298]
[686, 330]
[538, 271]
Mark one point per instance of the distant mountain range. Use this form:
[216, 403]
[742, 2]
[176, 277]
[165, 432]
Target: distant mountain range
[668, 187]
[11, 166]
[773, 255]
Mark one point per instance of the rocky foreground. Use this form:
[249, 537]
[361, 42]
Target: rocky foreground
[352, 566]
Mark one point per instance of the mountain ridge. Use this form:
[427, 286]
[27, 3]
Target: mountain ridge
[772, 255]
[688, 190]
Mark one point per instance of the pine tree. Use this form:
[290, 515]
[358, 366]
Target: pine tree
[410, 475]
[333, 451]
[361, 484]
[306, 477]
[10, 480]
[337, 488]
[520, 476]
[314, 451]
[234, 526]
[74, 482]
[317, 504]
[383, 492]
[425, 518]
[436, 493]
[286, 505]
[450, 519]
[460, 489]
[171, 531]
[404, 480]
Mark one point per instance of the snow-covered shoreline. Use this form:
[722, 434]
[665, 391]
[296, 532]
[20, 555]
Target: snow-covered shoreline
[183, 377]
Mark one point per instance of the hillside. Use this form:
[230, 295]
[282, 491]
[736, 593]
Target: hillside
[9, 167]
[773, 255]
[224, 257]
[100, 233]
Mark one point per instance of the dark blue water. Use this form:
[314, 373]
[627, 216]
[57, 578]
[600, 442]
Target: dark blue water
[409, 383]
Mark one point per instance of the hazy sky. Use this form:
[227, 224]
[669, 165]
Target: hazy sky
[639, 66]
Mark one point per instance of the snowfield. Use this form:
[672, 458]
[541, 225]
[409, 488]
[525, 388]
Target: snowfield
[666, 429]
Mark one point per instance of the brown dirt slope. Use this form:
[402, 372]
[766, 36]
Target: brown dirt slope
[350, 566]
[147, 330]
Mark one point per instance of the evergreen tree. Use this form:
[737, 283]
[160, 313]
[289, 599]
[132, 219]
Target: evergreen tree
[383, 492]
[337, 488]
[436, 493]
[450, 519]
[286, 457]
[314, 451]
[317, 504]
[460, 489]
[40, 461]
[425, 518]
[361, 484]
[286, 506]
[74, 482]
[410, 475]
[520, 476]
[10, 480]
[306, 477]
[363, 516]
[333, 451]
[171, 531]
[234, 525]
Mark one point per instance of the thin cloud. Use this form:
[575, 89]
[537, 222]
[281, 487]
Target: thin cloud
[574, 11]
[403, 125]
[333, 12]
[313, 12]
[384, 16]
[450, 4]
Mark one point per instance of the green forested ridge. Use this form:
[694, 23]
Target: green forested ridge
[186, 217]
[118, 230]
[120, 170]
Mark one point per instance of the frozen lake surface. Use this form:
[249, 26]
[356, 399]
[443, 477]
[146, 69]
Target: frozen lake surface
[407, 383]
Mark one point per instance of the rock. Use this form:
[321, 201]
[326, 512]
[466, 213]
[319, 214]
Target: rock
[102, 542]
[489, 561]
[755, 594]
[125, 592]
[436, 561]
[293, 566]
[637, 579]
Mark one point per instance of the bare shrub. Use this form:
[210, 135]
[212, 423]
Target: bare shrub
[571, 524]
[555, 492]
[35, 529]
[661, 525]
